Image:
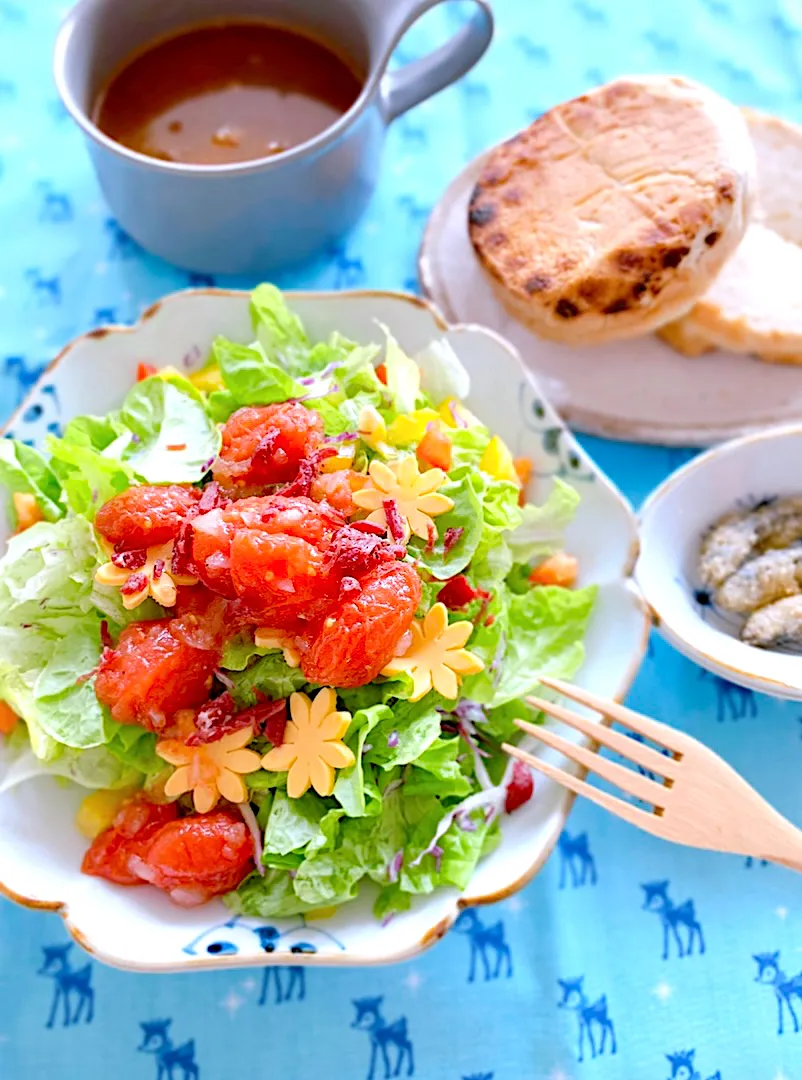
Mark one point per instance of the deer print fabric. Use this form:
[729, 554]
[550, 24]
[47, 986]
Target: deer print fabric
[625, 958]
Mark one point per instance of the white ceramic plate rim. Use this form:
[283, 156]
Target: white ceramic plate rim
[746, 674]
[466, 900]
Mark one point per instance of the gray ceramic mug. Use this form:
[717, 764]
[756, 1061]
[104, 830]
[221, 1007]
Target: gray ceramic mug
[253, 217]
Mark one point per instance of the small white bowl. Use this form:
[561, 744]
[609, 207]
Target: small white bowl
[673, 520]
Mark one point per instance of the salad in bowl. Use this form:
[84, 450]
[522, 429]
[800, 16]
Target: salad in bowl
[278, 615]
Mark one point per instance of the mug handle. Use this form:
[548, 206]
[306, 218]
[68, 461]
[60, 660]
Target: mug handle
[420, 79]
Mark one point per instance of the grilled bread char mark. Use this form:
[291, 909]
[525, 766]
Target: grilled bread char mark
[611, 213]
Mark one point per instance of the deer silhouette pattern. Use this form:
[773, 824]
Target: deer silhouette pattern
[590, 1018]
[172, 1062]
[487, 944]
[673, 919]
[683, 1068]
[386, 1040]
[72, 987]
[576, 860]
[786, 988]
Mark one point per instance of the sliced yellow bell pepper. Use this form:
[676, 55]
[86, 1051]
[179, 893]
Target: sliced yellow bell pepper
[411, 427]
[343, 459]
[454, 405]
[207, 379]
[497, 461]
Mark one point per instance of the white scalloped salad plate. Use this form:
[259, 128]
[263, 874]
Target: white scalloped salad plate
[40, 848]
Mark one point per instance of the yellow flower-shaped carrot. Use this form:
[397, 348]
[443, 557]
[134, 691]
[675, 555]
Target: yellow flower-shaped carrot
[313, 746]
[210, 770]
[413, 493]
[144, 573]
[277, 639]
[436, 657]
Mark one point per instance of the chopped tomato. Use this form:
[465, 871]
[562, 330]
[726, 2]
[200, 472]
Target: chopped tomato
[146, 515]
[266, 446]
[337, 489]
[362, 631]
[434, 449]
[8, 719]
[520, 787]
[458, 592]
[145, 371]
[130, 834]
[381, 373]
[198, 857]
[153, 672]
[559, 569]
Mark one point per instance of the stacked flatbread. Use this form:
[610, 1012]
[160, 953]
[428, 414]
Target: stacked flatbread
[650, 203]
[755, 304]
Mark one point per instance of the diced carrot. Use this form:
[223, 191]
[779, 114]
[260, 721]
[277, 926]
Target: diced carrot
[27, 510]
[144, 371]
[523, 467]
[559, 569]
[381, 373]
[434, 449]
[8, 719]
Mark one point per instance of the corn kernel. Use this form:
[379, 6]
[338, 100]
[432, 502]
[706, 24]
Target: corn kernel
[497, 461]
[98, 810]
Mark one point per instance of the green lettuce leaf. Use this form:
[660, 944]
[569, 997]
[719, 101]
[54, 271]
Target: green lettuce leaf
[24, 470]
[134, 747]
[270, 675]
[468, 445]
[349, 787]
[403, 375]
[165, 412]
[402, 736]
[50, 634]
[542, 528]
[292, 824]
[540, 632]
[437, 772]
[269, 897]
[466, 515]
[251, 377]
[89, 477]
[280, 332]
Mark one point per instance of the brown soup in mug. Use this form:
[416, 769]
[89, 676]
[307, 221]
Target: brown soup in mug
[218, 94]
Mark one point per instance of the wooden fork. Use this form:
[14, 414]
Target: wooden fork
[697, 799]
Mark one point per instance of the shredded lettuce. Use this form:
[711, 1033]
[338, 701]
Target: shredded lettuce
[442, 373]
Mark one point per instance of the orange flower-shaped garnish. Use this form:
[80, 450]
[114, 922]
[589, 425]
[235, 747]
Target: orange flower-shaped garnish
[313, 746]
[277, 639]
[210, 770]
[143, 573]
[413, 493]
[436, 656]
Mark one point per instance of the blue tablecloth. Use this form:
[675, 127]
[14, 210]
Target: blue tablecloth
[698, 1011]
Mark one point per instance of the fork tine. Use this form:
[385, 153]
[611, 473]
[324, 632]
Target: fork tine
[644, 725]
[624, 745]
[642, 818]
[625, 779]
